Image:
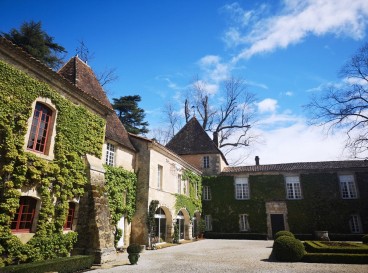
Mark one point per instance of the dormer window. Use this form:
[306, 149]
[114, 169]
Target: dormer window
[40, 129]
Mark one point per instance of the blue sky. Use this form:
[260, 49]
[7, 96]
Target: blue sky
[285, 50]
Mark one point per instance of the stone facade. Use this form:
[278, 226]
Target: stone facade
[150, 157]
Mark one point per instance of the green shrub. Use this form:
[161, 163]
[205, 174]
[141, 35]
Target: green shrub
[61, 265]
[365, 239]
[288, 249]
[336, 258]
[335, 247]
[235, 236]
[283, 233]
[134, 248]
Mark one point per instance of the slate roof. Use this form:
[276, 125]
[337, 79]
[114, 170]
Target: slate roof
[300, 167]
[81, 75]
[192, 139]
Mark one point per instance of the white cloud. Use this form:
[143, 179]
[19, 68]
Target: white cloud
[297, 20]
[289, 93]
[267, 105]
[295, 142]
[215, 70]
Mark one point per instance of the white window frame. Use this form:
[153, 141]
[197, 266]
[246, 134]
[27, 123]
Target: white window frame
[110, 154]
[179, 183]
[293, 188]
[348, 187]
[159, 176]
[241, 188]
[243, 222]
[207, 193]
[206, 162]
[355, 224]
[208, 221]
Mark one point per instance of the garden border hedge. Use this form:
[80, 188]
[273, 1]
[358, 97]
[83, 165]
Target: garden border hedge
[60, 265]
[338, 258]
[235, 236]
[314, 247]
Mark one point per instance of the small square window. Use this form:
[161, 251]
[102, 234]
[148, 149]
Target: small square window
[206, 193]
[110, 154]
[206, 162]
[241, 188]
[355, 224]
[243, 222]
[159, 176]
[348, 187]
[208, 221]
[293, 189]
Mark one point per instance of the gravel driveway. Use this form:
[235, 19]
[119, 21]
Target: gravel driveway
[219, 256]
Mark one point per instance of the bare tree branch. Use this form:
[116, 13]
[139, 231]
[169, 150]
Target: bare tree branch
[346, 106]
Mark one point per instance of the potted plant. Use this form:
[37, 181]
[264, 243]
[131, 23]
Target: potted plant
[133, 251]
[201, 228]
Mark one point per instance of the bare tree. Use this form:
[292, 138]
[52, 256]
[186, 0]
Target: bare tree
[172, 118]
[345, 106]
[105, 77]
[230, 117]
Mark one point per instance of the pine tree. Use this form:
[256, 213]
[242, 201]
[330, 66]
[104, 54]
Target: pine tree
[37, 42]
[130, 114]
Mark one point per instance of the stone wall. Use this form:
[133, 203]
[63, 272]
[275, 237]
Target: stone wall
[95, 233]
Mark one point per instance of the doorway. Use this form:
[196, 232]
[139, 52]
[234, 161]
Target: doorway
[277, 223]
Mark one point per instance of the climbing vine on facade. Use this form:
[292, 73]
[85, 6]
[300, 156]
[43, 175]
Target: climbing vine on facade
[57, 181]
[193, 202]
[121, 189]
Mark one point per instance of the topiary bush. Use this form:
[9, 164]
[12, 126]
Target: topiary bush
[365, 239]
[288, 249]
[283, 233]
[134, 248]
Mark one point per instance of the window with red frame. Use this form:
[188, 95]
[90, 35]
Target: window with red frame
[40, 128]
[70, 217]
[23, 219]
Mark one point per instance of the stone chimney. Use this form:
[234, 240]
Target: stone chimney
[215, 139]
[257, 160]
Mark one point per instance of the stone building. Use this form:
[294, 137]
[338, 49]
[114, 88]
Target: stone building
[300, 197]
[58, 120]
[194, 145]
[162, 177]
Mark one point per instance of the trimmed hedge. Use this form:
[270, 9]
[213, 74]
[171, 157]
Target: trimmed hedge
[338, 258]
[345, 237]
[60, 265]
[283, 233]
[365, 239]
[288, 249]
[322, 247]
[235, 236]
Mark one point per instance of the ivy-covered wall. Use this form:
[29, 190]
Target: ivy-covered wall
[78, 132]
[193, 202]
[320, 208]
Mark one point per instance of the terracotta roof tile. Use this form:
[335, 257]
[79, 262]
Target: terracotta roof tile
[300, 166]
[81, 75]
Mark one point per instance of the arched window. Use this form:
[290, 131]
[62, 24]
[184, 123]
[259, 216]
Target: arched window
[70, 216]
[40, 128]
[160, 225]
[23, 219]
[180, 223]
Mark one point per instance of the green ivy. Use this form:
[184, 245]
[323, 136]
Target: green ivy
[79, 132]
[193, 202]
[321, 207]
[121, 188]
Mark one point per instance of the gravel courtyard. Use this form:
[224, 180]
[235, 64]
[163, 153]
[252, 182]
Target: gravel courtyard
[219, 256]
